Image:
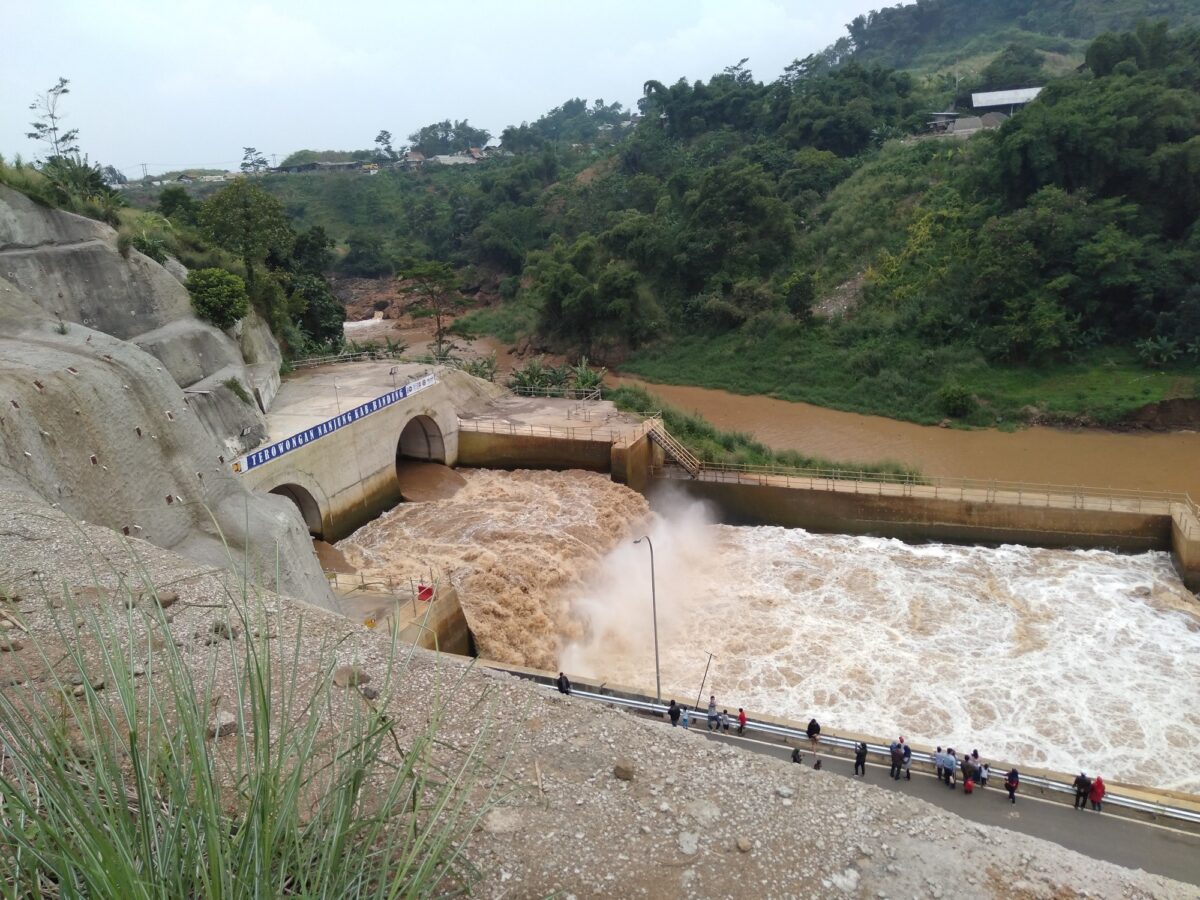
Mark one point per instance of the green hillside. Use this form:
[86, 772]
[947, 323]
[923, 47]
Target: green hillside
[804, 238]
[934, 34]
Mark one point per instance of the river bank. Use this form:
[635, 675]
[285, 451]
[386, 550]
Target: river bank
[1148, 461]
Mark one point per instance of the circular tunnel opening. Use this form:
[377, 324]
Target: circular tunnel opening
[421, 471]
[306, 503]
[421, 439]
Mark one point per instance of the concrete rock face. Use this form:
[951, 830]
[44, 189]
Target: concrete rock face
[70, 268]
[99, 426]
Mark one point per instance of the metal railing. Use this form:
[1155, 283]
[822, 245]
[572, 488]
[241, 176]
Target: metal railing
[649, 707]
[619, 437]
[566, 393]
[310, 362]
[674, 449]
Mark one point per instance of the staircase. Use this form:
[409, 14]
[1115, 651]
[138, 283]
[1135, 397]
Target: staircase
[675, 450]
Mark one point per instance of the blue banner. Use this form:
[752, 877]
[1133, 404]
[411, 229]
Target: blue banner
[279, 448]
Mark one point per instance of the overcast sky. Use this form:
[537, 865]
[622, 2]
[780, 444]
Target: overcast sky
[179, 83]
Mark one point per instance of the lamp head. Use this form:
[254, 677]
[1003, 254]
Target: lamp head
[638, 541]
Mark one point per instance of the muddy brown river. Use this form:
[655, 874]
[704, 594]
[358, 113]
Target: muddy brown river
[1094, 458]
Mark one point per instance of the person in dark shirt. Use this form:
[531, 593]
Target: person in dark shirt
[564, 683]
[814, 733]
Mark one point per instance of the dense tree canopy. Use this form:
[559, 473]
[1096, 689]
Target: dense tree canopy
[735, 214]
[448, 137]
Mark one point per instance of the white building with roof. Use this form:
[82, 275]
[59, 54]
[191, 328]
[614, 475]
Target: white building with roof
[999, 99]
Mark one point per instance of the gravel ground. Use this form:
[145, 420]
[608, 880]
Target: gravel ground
[573, 797]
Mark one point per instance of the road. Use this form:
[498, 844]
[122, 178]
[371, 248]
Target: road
[1131, 843]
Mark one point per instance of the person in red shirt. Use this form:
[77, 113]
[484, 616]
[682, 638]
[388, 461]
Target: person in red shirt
[1096, 795]
[741, 721]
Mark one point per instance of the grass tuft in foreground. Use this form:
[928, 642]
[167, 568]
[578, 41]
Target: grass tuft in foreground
[113, 784]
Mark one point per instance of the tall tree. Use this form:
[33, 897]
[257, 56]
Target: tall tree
[253, 162]
[48, 127]
[448, 137]
[246, 220]
[437, 297]
[383, 145]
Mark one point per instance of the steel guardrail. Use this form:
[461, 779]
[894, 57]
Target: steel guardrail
[1045, 784]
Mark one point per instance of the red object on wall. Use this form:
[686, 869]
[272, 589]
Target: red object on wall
[424, 592]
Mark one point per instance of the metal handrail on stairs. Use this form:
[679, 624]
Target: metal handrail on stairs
[659, 434]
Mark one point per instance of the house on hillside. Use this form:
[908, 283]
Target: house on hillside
[185, 178]
[214, 178]
[347, 166]
[1004, 101]
[941, 122]
[296, 168]
[455, 160]
[475, 153]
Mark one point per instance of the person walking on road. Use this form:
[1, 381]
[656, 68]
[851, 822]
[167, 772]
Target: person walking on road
[897, 753]
[673, 712]
[860, 759]
[1012, 781]
[1097, 793]
[907, 761]
[686, 717]
[814, 733]
[1083, 787]
[725, 721]
[741, 721]
[950, 764]
[984, 772]
[564, 684]
[939, 762]
[712, 712]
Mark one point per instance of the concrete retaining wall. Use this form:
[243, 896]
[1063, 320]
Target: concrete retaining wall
[921, 519]
[445, 630]
[1186, 551]
[631, 465]
[485, 450]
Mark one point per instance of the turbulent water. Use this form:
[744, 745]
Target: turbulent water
[1063, 659]
[514, 544]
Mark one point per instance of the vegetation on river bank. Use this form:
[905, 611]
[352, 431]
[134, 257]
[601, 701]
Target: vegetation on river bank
[915, 383]
[710, 444]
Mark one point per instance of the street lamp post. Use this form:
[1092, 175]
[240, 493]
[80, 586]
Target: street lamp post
[654, 611]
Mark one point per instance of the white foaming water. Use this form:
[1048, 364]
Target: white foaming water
[1062, 659]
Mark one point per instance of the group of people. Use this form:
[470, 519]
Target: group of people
[717, 721]
[974, 772]
[1089, 789]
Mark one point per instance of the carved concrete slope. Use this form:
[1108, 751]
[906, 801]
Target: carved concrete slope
[70, 267]
[101, 428]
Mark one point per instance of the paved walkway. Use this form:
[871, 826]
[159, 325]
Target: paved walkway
[1127, 842]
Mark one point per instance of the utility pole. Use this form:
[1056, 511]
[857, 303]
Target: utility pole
[274, 164]
[704, 679]
[654, 610]
[145, 174]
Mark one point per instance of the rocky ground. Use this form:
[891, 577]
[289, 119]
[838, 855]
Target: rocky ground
[574, 797]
